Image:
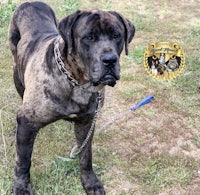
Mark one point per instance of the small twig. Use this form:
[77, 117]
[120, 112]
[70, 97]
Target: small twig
[2, 131]
[3, 138]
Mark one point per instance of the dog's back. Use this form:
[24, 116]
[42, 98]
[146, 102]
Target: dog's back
[31, 23]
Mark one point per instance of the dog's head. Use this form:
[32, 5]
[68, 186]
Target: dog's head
[95, 39]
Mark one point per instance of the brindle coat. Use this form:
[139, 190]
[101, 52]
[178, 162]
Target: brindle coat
[90, 43]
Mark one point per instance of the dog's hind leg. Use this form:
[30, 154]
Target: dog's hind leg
[90, 182]
[18, 84]
[25, 137]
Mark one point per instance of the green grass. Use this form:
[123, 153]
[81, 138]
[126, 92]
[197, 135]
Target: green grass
[69, 6]
[129, 93]
[7, 105]
[59, 177]
[123, 158]
[162, 172]
[107, 5]
[137, 55]
[6, 11]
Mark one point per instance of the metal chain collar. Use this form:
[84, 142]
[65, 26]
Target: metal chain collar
[74, 82]
[61, 64]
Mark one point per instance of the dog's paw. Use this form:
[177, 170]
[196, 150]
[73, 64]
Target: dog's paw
[91, 184]
[21, 188]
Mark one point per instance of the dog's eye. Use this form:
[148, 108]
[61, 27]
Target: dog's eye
[116, 35]
[90, 37]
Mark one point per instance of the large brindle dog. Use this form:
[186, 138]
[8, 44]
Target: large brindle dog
[60, 70]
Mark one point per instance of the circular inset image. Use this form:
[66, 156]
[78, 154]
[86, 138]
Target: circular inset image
[164, 60]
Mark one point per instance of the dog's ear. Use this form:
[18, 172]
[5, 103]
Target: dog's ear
[129, 29]
[65, 29]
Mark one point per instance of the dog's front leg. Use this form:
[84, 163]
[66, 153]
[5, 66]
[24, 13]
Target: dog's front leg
[25, 136]
[90, 182]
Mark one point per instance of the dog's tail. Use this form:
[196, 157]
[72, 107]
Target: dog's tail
[14, 37]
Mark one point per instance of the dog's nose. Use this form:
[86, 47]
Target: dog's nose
[109, 60]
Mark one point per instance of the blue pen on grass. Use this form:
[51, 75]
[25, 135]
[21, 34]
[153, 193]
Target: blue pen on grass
[142, 103]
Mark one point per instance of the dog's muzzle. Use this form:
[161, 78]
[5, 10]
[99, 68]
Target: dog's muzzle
[110, 74]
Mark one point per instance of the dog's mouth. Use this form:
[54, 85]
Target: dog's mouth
[107, 79]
